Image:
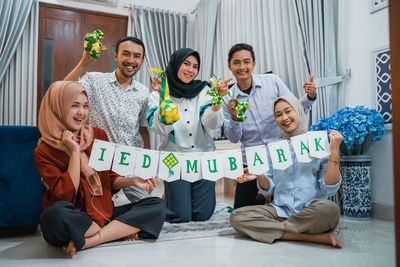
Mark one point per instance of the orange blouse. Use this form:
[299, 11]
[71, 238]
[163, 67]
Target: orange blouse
[52, 165]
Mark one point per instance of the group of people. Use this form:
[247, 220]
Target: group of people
[78, 207]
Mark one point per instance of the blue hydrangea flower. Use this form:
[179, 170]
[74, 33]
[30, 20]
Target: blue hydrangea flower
[357, 125]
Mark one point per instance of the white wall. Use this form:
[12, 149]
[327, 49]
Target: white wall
[182, 6]
[359, 33]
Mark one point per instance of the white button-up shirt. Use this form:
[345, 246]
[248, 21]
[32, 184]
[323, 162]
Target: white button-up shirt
[119, 112]
[190, 132]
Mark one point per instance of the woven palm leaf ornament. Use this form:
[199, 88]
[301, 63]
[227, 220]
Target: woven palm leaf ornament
[170, 161]
[92, 43]
[241, 108]
[168, 111]
[213, 91]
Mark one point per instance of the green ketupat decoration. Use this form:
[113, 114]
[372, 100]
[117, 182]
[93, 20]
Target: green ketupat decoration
[170, 161]
[241, 108]
[92, 43]
[230, 209]
[217, 99]
[168, 113]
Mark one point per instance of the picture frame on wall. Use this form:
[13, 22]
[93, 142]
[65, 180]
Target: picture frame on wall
[375, 5]
[381, 82]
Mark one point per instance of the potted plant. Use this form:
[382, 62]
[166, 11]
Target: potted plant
[358, 126]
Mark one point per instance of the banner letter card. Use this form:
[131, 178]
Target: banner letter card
[191, 167]
[319, 145]
[280, 155]
[301, 147]
[124, 160]
[233, 163]
[257, 160]
[169, 166]
[102, 155]
[212, 164]
[146, 163]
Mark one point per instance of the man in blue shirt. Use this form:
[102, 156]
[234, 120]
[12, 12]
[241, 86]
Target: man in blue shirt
[259, 128]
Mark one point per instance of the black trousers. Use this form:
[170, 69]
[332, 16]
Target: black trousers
[246, 194]
[62, 222]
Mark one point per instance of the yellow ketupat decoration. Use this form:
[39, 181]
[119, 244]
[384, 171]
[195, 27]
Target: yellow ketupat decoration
[217, 99]
[168, 111]
[92, 43]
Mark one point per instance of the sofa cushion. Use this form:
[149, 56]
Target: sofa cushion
[21, 190]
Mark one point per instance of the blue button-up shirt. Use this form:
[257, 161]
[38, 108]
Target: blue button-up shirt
[297, 186]
[260, 127]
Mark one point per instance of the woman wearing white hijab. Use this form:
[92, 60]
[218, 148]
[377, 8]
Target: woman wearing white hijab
[300, 209]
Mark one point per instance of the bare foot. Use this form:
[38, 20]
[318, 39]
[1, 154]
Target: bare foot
[333, 241]
[71, 249]
[132, 237]
[328, 239]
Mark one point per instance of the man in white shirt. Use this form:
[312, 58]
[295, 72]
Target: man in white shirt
[118, 104]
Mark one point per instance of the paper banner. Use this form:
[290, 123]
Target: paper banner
[318, 143]
[233, 163]
[191, 167]
[257, 160]
[212, 165]
[102, 155]
[301, 148]
[169, 166]
[280, 155]
[124, 160]
[146, 163]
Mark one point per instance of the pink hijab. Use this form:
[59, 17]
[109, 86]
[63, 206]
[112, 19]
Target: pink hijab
[52, 116]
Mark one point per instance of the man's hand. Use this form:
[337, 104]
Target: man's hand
[309, 88]
[232, 104]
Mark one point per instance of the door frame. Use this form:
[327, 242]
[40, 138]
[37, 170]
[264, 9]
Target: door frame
[394, 14]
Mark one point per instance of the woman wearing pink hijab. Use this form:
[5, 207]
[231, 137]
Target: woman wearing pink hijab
[79, 212]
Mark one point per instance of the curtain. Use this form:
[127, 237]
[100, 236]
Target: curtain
[18, 61]
[269, 26]
[162, 32]
[202, 35]
[317, 26]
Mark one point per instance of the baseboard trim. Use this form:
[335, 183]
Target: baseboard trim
[382, 212]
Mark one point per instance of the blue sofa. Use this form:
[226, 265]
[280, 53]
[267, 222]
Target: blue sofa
[21, 190]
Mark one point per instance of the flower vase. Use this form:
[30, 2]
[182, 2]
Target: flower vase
[356, 186]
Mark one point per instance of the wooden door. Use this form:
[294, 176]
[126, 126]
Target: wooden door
[61, 36]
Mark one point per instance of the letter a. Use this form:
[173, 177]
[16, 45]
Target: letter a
[257, 158]
[302, 147]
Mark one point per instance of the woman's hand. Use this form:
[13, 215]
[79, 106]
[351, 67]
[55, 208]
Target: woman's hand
[246, 176]
[309, 88]
[336, 139]
[156, 84]
[67, 139]
[147, 185]
[223, 87]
